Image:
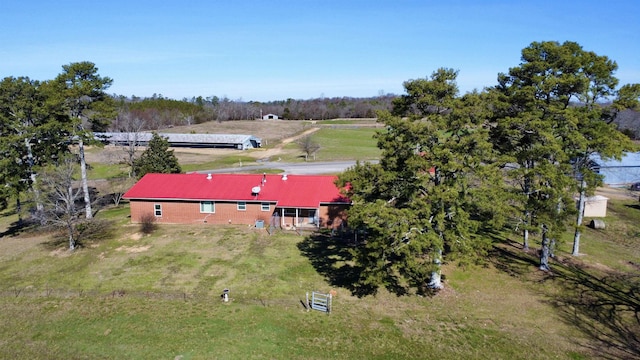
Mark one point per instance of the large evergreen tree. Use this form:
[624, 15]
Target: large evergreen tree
[32, 134]
[548, 124]
[421, 202]
[157, 158]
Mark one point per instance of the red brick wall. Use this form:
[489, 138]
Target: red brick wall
[333, 215]
[188, 212]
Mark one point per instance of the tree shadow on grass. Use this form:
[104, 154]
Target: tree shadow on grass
[20, 227]
[602, 304]
[331, 257]
[509, 257]
[633, 206]
[13, 229]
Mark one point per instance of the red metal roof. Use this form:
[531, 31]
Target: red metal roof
[302, 191]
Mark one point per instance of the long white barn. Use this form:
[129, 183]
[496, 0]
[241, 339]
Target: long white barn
[619, 173]
[230, 141]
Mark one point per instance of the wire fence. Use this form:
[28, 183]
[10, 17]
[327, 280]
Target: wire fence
[184, 296]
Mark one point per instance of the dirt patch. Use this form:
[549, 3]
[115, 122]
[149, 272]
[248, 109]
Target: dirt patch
[62, 252]
[11, 246]
[618, 193]
[134, 249]
[278, 149]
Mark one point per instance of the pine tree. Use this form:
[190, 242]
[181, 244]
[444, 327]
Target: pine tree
[83, 92]
[425, 200]
[549, 123]
[157, 158]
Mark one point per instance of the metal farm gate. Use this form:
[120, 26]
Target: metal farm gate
[320, 301]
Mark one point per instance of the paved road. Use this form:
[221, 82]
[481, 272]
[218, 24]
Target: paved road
[307, 168]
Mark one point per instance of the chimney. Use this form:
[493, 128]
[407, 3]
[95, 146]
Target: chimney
[284, 177]
[208, 176]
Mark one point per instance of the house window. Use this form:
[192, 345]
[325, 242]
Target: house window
[265, 206]
[157, 210]
[242, 206]
[290, 212]
[207, 207]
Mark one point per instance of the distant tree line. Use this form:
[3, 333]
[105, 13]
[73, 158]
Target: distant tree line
[158, 112]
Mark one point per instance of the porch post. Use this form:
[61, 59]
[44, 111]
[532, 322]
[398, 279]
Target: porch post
[297, 217]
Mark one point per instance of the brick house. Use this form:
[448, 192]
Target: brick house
[287, 201]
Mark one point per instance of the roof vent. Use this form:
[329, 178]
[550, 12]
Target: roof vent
[208, 176]
[255, 190]
[284, 176]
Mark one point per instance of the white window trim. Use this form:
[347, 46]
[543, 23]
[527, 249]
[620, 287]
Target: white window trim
[265, 206]
[157, 208]
[213, 207]
[242, 206]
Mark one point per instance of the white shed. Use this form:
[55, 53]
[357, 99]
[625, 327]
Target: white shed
[270, 117]
[595, 206]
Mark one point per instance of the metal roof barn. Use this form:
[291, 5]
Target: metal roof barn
[619, 172]
[231, 141]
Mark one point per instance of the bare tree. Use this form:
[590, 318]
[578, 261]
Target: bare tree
[60, 198]
[308, 147]
[132, 126]
[119, 186]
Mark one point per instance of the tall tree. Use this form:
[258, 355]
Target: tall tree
[89, 107]
[417, 205]
[157, 158]
[597, 134]
[549, 124]
[32, 134]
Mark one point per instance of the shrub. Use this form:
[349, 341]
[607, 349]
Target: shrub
[147, 223]
[95, 230]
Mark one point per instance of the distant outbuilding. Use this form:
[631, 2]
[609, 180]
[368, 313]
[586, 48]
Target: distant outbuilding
[270, 117]
[596, 206]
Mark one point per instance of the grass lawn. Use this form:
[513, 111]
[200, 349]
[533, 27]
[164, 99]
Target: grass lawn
[158, 296]
[343, 144]
[347, 144]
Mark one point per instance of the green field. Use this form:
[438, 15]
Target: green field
[339, 144]
[157, 296]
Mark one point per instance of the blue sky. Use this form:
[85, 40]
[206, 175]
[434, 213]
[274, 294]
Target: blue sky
[274, 50]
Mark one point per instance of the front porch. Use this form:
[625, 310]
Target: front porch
[295, 218]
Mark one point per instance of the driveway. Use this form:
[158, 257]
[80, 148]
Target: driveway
[307, 168]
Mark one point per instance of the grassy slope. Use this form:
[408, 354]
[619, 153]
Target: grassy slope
[157, 296]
